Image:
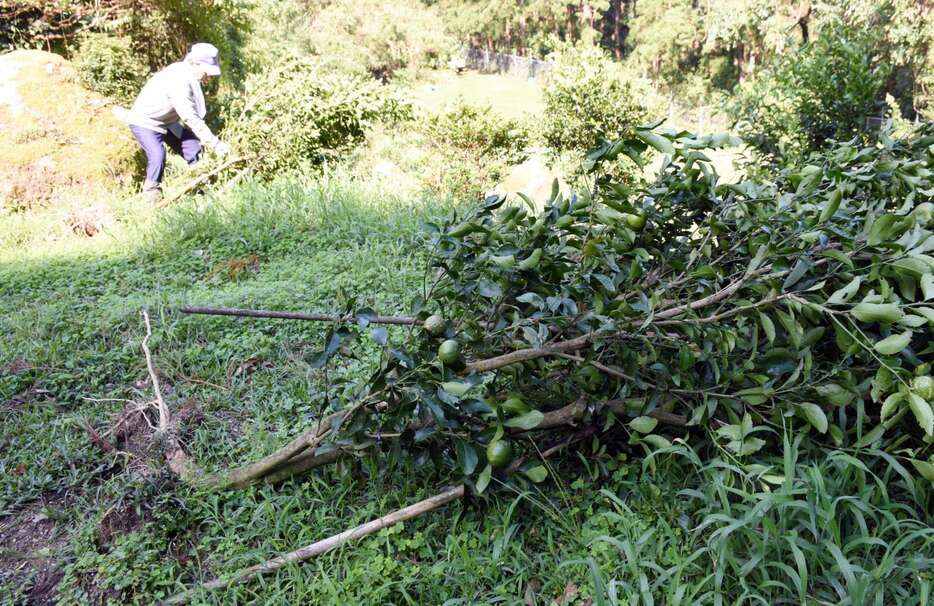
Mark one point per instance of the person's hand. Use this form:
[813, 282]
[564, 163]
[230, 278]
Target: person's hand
[221, 149]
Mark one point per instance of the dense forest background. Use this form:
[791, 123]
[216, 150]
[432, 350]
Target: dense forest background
[788, 73]
[671, 41]
[662, 306]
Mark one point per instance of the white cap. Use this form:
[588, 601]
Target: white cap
[205, 55]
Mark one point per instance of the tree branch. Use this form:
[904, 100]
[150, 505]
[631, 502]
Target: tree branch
[533, 353]
[300, 464]
[325, 545]
[291, 315]
[194, 183]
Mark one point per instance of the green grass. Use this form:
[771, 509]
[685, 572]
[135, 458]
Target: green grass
[510, 96]
[680, 528]
[73, 330]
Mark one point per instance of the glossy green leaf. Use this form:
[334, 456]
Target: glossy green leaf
[815, 416]
[768, 327]
[657, 141]
[466, 456]
[836, 394]
[878, 312]
[871, 436]
[893, 344]
[890, 404]
[529, 420]
[846, 293]
[925, 468]
[483, 479]
[643, 424]
[927, 286]
[831, 206]
[656, 440]
[923, 413]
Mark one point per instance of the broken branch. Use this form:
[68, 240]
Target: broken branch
[197, 182]
[325, 545]
[290, 315]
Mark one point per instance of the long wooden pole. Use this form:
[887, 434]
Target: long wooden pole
[293, 315]
[323, 546]
[201, 180]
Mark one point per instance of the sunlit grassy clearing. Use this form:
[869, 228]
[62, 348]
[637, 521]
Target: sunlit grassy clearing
[511, 96]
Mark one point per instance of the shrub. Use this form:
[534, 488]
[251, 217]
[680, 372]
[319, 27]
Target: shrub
[477, 144]
[108, 65]
[587, 96]
[295, 114]
[827, 90]
[164, 31]
[479, 131]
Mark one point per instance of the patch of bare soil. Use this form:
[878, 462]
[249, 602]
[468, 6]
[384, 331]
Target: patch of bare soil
[17, 366]
[32, 543]
[89, 221]
[131, 432]
[116, 522]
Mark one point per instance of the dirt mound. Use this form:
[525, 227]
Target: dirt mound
[58, 136]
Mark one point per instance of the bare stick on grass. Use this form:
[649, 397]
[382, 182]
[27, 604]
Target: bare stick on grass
[199, 181]
[325, 545]
[292, 315]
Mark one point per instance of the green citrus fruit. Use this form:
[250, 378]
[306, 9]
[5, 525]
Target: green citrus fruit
[924, 212]
[924, 387]
[514, 405]
[499, 453]
[449, 351]
[435, 325]
[635, 221]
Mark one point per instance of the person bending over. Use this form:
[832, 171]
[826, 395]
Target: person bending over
[170, 109]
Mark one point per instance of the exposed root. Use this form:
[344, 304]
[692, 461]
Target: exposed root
[159, 404]
[165, 430]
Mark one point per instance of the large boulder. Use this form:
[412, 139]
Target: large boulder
[534, 178]
[58, 136]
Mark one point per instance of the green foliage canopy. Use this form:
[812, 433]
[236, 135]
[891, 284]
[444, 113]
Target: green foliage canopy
[160, 31]
[376, 38]
[478, 146]
[108, 65]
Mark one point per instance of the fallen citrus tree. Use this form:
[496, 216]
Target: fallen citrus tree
[728, 315]
[729, 312]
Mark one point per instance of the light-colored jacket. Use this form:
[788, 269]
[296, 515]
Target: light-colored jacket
[170, 97]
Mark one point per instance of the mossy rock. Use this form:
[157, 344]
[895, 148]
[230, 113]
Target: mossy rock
[60, 137]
